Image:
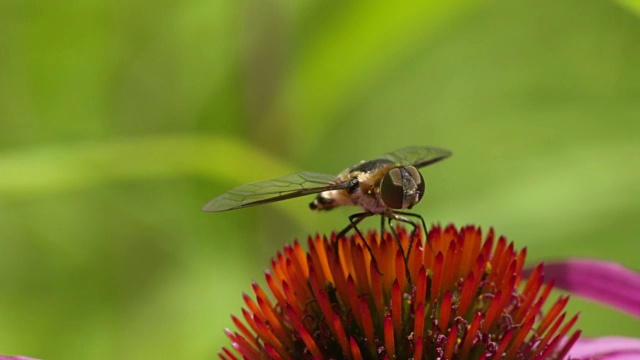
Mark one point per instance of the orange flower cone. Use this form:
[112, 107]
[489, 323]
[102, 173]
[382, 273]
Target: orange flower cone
[468, 300]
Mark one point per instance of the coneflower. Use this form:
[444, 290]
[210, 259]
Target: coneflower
[468, 300]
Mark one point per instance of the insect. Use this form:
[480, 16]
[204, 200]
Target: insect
[386, 185]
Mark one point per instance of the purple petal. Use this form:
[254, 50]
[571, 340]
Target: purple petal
[603, 281]
[609, 348]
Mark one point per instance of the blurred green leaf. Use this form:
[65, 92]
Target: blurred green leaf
[64, 167]
[351, 49]
[633, 5]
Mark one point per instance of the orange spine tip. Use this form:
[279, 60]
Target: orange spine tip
[292, 299]
[415, 258]
[535, 274]
[417, 354]
[243, 329]
[451, 343]
[229, 355]
[370, 240]
[445, 311]
[401, 274]
[507, 290]
[565, 329]
[309, 342]
[449, 263]
[530, 297]
[261, 294]
[300, 259]
[488, 245]
[353, 299]
[421, 285]
[506, 339]
[468, 290]
[437, 277]
[551, 332]
[521, 334]
[253, 308]
[341, 335]
[492, 311]
[243, 347]
[396, 307]
[386, 265]
[569, 344]
[470, 335]
[355, 350]
[295, 319]
[345, 250]
[275, 289]
[466, 255]
[279, 267]
[267, 335]
[321, 248]
[479, 269]
[367, 325]
[273, 319]
[521, 257]
[314, 262]
[497, 258]
[428, 255]
[418, 325]
[297, 282]
[273, 354]
[361, 276]
[340, 279]
[507, 265]
[376, 288]
[389, 337]
[553, 313]
[476, 246]
[456, 263]
[327, 311]
[248, 317]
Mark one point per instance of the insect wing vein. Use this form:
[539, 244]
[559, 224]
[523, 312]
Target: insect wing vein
[417, 156]
[267, 191]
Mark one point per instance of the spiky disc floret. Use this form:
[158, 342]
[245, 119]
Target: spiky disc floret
[468, 300]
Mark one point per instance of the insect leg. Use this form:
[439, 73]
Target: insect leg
[424, 228]
[405, 256]
[352, 224]
[354, 220]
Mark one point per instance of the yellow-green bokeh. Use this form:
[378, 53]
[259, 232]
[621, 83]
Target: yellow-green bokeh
[119, 120]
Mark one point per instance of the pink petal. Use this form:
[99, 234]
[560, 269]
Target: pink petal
[6, 357]
[603, 281]
[609, 348]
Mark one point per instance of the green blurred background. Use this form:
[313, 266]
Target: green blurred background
[118, 121]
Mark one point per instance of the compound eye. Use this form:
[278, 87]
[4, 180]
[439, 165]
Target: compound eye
[418, 179]
[391, 189]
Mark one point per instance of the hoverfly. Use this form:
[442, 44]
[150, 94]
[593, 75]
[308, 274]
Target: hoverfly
[384, 186]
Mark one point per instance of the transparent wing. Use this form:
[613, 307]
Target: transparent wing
[417, 156]
[283, 188]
